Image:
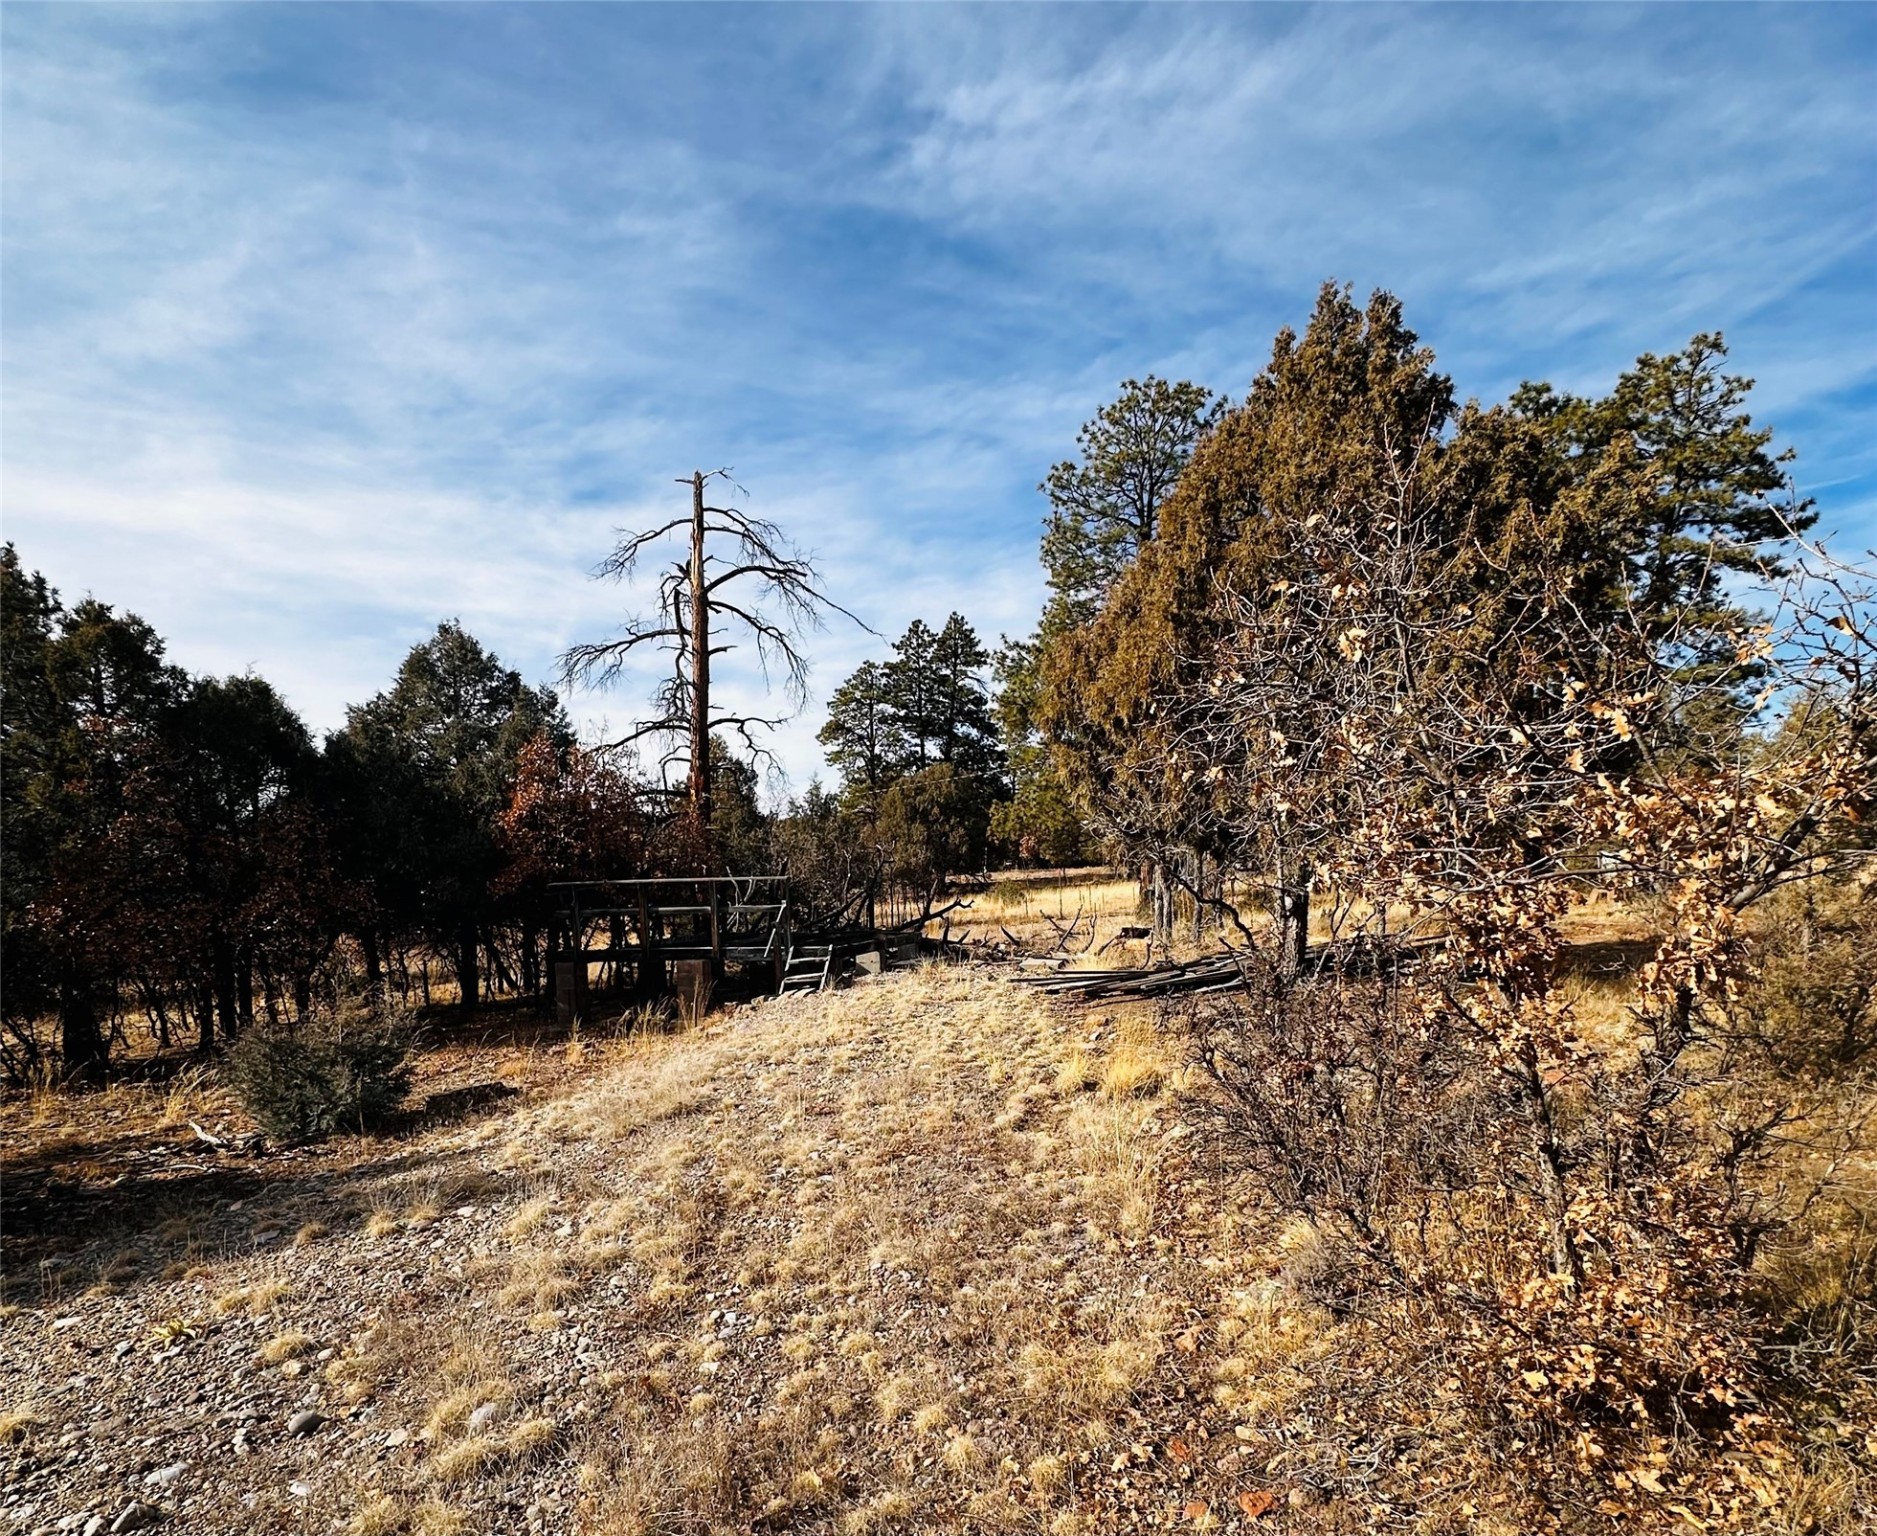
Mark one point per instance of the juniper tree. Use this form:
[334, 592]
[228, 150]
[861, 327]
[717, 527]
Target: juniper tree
[1336, 418]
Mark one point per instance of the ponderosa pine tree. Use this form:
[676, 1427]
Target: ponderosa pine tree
[1721, 502]
[928, 704]
[1104, 506]
[865, 741]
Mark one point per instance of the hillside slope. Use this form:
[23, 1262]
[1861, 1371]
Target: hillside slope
[923, 1254]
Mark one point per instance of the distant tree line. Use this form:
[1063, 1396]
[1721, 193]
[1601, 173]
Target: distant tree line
[182, 856]
[184, 860]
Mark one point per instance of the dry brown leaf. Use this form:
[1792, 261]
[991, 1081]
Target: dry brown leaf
[1256, 1501]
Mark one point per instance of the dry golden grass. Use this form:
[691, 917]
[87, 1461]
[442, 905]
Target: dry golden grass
[381, 1222]
[382, 1516]
[256, 1300]
[757, 1204]
[17, 1424]
[285, 1346]
[530, 1216]
[1132, 1070]
[463, 1459]
[435, 1518]
[928, 1254]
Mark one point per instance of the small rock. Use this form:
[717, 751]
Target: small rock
[396, 1438]
[94, 1525]
[299, 1489]
[305, 1421]
[135, 1517]
[164, 1476]
[61, 1324]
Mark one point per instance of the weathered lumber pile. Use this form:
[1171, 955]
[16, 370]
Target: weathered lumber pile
[1222, 972]
[1214, 973]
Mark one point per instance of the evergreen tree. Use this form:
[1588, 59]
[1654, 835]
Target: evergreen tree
[1105, 506]
[33, 723]
[429, 764]
[1719, 502]
[739, 838]
[927, 705]
[965, 730]
[863, 736]
[914, 694]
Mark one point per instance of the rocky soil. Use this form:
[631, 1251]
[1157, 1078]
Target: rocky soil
[923, 1254]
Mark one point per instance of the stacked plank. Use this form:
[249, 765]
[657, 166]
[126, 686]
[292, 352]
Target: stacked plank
[1214, 973]
[1221, 973]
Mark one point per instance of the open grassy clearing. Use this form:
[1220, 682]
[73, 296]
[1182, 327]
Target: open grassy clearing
[925, 1254]
[920, 1254]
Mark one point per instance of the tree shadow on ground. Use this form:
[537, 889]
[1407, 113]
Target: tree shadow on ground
[176, 1206]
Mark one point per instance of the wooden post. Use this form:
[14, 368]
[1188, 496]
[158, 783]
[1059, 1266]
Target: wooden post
[570, 990]
[651, 969]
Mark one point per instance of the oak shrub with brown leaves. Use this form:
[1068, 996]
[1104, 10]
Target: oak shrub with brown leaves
[1433, 669]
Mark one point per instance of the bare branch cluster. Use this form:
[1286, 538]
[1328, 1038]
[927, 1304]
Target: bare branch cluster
[738, 583]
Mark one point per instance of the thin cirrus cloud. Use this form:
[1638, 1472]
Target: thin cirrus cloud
[322, 324]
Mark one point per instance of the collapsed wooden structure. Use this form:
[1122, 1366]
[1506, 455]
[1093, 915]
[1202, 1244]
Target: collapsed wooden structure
[1215, 973]
[669, 933]
[680, 934]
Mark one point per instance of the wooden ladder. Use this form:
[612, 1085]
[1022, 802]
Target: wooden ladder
[807, 968]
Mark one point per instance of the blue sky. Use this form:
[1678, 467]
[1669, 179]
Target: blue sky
[323, 323]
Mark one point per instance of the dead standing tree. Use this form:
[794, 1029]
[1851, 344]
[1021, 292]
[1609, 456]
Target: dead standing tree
[699, 604]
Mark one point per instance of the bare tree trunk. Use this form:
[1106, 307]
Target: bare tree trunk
[1293, 916]
[81, 1043]
[1199, 889]
[1565, 1260]
[374, 966]
[1162, 909]
[468, 978]
[244, 986]
[700, 669]
[530, 958]
[222, 978]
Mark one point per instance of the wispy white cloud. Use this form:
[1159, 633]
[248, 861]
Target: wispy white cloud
[323, 325]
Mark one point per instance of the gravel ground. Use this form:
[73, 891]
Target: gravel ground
[922, 1254]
